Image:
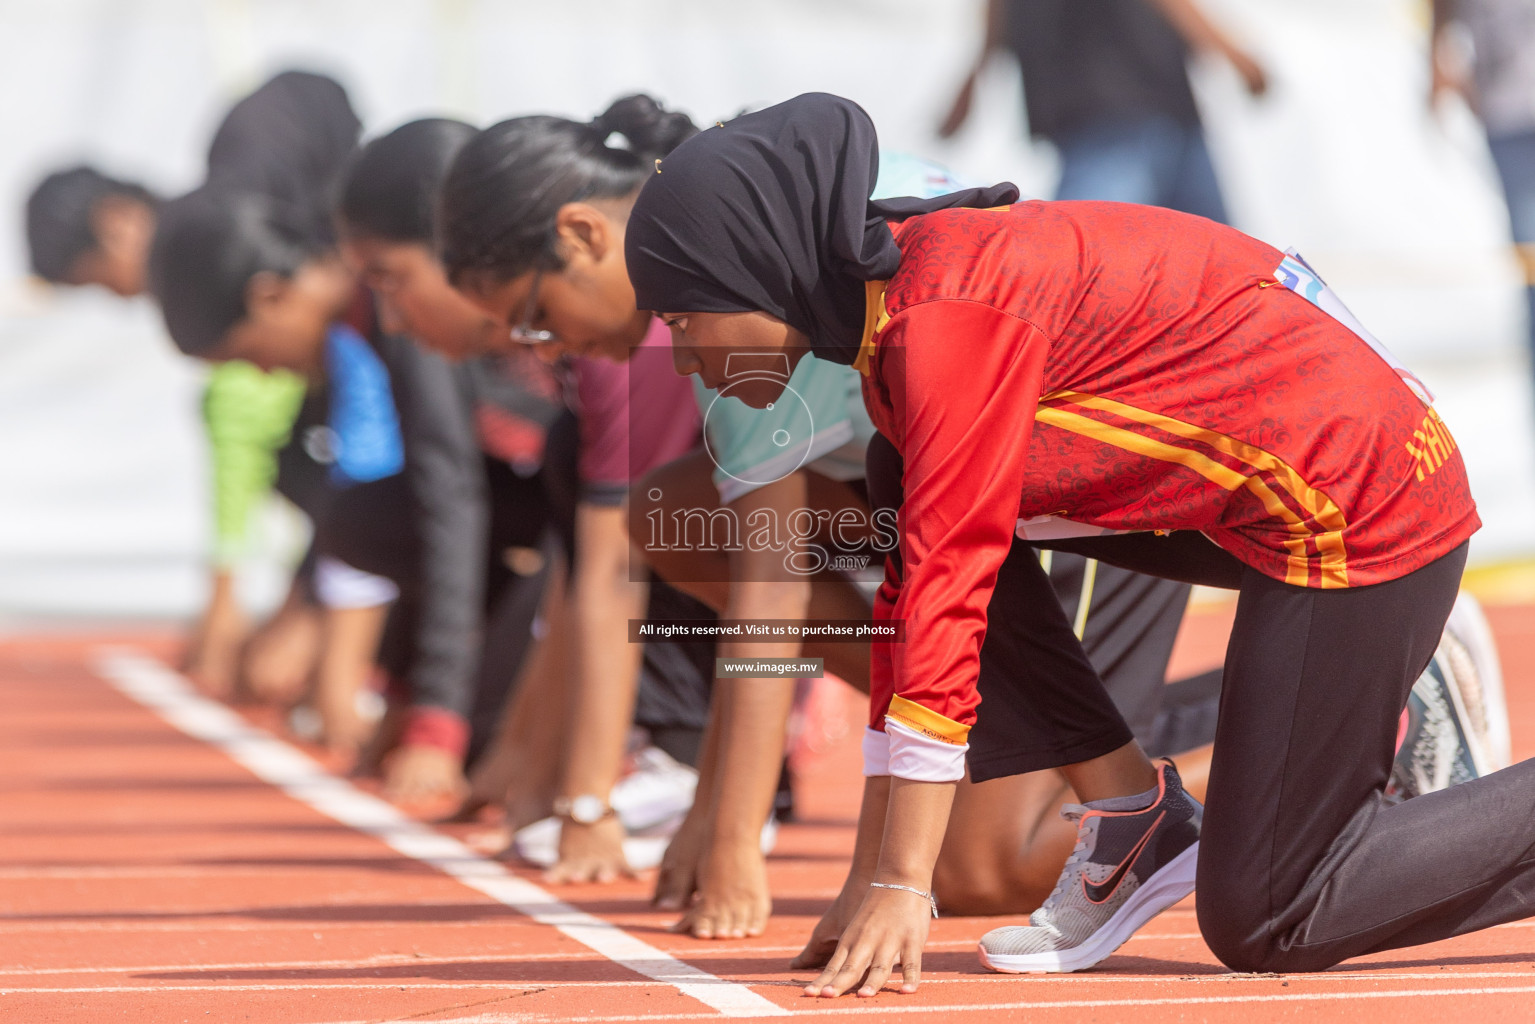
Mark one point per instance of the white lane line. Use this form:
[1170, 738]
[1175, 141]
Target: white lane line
[168, 694]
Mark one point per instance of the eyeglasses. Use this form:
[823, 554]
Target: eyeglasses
[523, 333]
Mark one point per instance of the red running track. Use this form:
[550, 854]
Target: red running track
[150, 875]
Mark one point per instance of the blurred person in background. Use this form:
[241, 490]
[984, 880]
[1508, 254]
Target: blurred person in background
[85, 228]
[286, 139]
[1501, 90]
[531, 232]
[1106, 81]
[472, 554]
[238, 276]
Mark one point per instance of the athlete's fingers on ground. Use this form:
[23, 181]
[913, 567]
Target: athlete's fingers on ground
[821, 945]
[674, 885]
[704, 925]
[494, 842]
[609, 871]
[567, 873]
[756, 924]
[911, 969]
[853, 971]
[723, 918]
[684, 924]
[879, 973]
[718, 921]
[741, 921]
[833, 965]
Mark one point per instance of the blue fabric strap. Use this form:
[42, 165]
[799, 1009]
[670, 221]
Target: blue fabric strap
[363, 419]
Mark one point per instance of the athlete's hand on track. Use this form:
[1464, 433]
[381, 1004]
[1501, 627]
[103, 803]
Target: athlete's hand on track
[418, 774]
[506, 775]
[828, 931]
[678, 878]
[733, 897]
[888, 931]
[590, 853]
[212, 657]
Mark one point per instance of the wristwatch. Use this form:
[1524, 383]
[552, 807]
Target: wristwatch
[586, 809]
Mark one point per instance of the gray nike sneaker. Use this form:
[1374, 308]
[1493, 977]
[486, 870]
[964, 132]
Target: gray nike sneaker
[1128, 867]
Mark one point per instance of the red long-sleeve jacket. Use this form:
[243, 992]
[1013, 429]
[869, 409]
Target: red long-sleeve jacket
[1127, 368]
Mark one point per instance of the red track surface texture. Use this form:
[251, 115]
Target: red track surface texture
[199, 871]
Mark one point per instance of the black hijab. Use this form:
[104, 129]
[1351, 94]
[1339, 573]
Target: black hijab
[771, 212]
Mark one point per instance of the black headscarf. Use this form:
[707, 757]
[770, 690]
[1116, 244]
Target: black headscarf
[772, 212]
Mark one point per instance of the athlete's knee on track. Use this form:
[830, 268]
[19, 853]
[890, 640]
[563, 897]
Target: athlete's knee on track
[1238, 929]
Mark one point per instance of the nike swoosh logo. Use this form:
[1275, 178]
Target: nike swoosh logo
[1101, 892]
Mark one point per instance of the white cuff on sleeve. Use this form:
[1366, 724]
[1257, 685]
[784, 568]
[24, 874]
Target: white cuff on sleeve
[921, 758]
[876, 752]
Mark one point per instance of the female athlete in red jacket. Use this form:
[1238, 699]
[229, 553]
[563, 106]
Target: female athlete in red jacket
[1163, 393]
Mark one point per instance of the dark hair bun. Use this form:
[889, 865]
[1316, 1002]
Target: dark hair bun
[650, 129]
[498, 202]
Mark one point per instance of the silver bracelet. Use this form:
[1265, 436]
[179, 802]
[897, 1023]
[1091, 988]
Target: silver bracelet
[931, 902]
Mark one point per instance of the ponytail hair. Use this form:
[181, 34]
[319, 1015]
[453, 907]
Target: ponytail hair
[208, 245]
[389, 190]
[500, 198]
[60, 217]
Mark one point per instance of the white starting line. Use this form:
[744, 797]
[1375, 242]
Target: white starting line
[170, 696]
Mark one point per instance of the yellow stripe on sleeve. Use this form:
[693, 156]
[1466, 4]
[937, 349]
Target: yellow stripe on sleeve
[927, 722]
